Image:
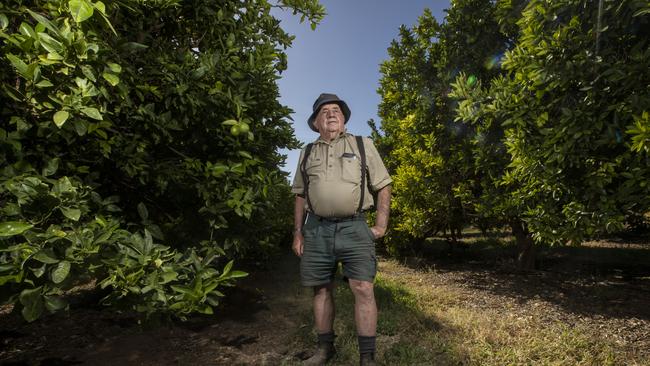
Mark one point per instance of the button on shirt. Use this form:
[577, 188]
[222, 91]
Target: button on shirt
[334, 171]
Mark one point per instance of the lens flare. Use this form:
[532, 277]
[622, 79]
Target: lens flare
[619, 136]
[494, 61]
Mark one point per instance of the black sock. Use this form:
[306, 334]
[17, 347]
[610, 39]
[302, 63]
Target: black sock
[366, 344]
[326, 338]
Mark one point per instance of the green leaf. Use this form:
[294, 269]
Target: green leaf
[45, 22]
[17, 278]
[60, 272]
[229, 122]
[54, 56]
[238, 274]
[32, 302]
[38, 272]
[27, 30]
[111, 78]
[54, 303]
[245, 154]
[71, 213]
[133, 46]
[92, 113]
[642, 11]
[101, 7]
[4, 22]
[18, 64]
[142, 211]
[44, 84]
[80, 10]
[50, 44]
[60, 117]
[219, 169]
[80, 126]
[226, 269]
[11, 228]
[45, 256]
[181, 289]
[63, 185]
[88, 72]
[116, 68]
[51, 167]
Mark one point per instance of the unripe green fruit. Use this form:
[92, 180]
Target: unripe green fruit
[471, 80]
[235, 130]
[243, 127]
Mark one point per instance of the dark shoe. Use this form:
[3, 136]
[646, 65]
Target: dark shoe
[367, 359]
[324, 353]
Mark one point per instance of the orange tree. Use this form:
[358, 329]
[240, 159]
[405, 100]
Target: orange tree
[429, 153]
[572, 113]
[126, 125]
[554, 143]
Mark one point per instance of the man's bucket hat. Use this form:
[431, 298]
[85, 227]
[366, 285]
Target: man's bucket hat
[325, 99]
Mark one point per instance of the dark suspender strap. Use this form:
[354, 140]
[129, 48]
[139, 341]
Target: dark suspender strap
[305, 176]
[362, 152]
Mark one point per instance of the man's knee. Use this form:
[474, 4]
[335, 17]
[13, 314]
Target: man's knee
[362, 289]
[324, 290]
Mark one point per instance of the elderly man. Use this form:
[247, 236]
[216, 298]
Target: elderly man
[333, 184]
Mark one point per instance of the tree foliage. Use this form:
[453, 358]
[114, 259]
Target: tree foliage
[572, 105]
[429, 152]
[125, 124]
[554, 131]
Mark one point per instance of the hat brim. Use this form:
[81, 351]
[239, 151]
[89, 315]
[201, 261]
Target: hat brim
[344, 108]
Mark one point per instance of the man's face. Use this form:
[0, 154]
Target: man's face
[330, 119]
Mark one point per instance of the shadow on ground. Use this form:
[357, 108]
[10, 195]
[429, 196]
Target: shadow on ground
[252, 326]
[607, 279]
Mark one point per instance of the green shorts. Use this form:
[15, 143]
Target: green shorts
[328, 242]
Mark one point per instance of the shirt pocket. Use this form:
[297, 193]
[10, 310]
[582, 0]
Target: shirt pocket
[314, 167]
[350, 169]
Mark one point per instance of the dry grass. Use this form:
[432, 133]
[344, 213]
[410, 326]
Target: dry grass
[429, 316]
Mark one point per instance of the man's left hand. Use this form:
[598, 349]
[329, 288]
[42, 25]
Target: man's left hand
[378, 231]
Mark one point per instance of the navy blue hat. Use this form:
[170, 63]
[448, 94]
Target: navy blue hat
[325, 99]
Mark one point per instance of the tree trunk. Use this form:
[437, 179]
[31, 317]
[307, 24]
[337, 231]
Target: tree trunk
[525, 246]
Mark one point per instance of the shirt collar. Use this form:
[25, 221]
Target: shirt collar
[338, 138]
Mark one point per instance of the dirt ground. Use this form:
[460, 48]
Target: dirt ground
[254, 326]
[259, 320]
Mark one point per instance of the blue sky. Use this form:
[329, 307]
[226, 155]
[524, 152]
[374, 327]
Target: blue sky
[342, 56]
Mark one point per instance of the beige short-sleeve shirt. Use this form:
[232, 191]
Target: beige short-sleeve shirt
[334, 171]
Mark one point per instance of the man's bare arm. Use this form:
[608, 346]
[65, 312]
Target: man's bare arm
[383, 212]
[298, 220]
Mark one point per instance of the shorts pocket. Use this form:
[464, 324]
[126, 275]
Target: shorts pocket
[370, 234]
[310, 228]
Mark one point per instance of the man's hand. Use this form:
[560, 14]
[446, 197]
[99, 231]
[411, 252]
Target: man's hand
[298, 243]
[378, 232]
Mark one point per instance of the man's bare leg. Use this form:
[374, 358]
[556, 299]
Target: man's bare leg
[324, 321]
[365, 308]
[324, 308]
[365, 316]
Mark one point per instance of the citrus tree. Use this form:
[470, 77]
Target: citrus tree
[138, 146]
[429, 151]
[573, 111]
